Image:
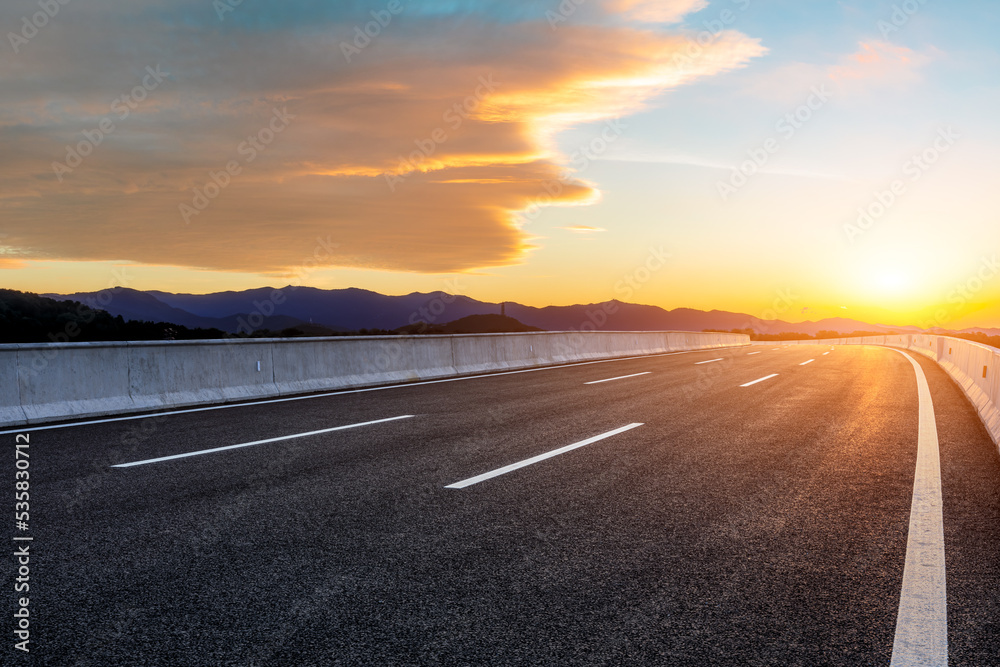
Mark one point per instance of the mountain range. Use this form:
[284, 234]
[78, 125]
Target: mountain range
[353, 309]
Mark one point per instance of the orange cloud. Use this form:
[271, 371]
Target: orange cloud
[418, 156]
[880, 62]
[12, 263]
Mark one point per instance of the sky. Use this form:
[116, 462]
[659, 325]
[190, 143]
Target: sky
[783, 158]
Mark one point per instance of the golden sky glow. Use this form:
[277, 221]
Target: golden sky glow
[534, 152]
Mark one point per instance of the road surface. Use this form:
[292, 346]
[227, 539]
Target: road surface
[738, 507]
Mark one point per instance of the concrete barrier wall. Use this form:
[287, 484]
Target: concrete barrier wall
[11, 411]
[975, 367]
[52, 381]
[83, 378]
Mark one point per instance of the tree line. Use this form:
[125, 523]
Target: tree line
[30, 318]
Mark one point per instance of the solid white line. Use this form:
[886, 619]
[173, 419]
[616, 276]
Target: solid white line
[258, 442]
[807, 362]
[767, 377]
[710, 361]
[922, 622]
[634, 375]
[535, 459]
[749, 353]
[338, 392]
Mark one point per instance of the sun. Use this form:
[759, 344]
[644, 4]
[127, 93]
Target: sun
[892, 281]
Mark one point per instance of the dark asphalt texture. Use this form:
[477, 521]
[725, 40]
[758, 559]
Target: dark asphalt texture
[761, 525]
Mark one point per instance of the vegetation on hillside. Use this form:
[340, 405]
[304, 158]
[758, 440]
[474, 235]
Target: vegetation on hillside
[29, 318]
[993, 341]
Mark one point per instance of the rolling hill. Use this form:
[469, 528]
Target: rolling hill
[354, 309]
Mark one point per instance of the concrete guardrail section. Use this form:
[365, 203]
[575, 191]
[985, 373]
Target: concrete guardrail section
[975, 367]
[45, 382]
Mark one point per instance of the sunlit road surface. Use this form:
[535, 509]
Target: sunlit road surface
[715, 507]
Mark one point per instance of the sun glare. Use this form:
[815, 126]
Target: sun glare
[892, 281]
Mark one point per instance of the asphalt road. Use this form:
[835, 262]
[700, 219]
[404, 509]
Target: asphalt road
[735, 525]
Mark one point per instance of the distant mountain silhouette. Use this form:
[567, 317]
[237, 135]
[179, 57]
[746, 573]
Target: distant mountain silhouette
[354, 309]
[348, 309]
[153, 306]
[988, 332]
[135, 305]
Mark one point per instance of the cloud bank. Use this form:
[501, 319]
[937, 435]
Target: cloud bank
[410, 140]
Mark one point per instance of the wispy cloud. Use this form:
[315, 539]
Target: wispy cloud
[584, 229]
[658, 11]
[880, 63]
[708, 163]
